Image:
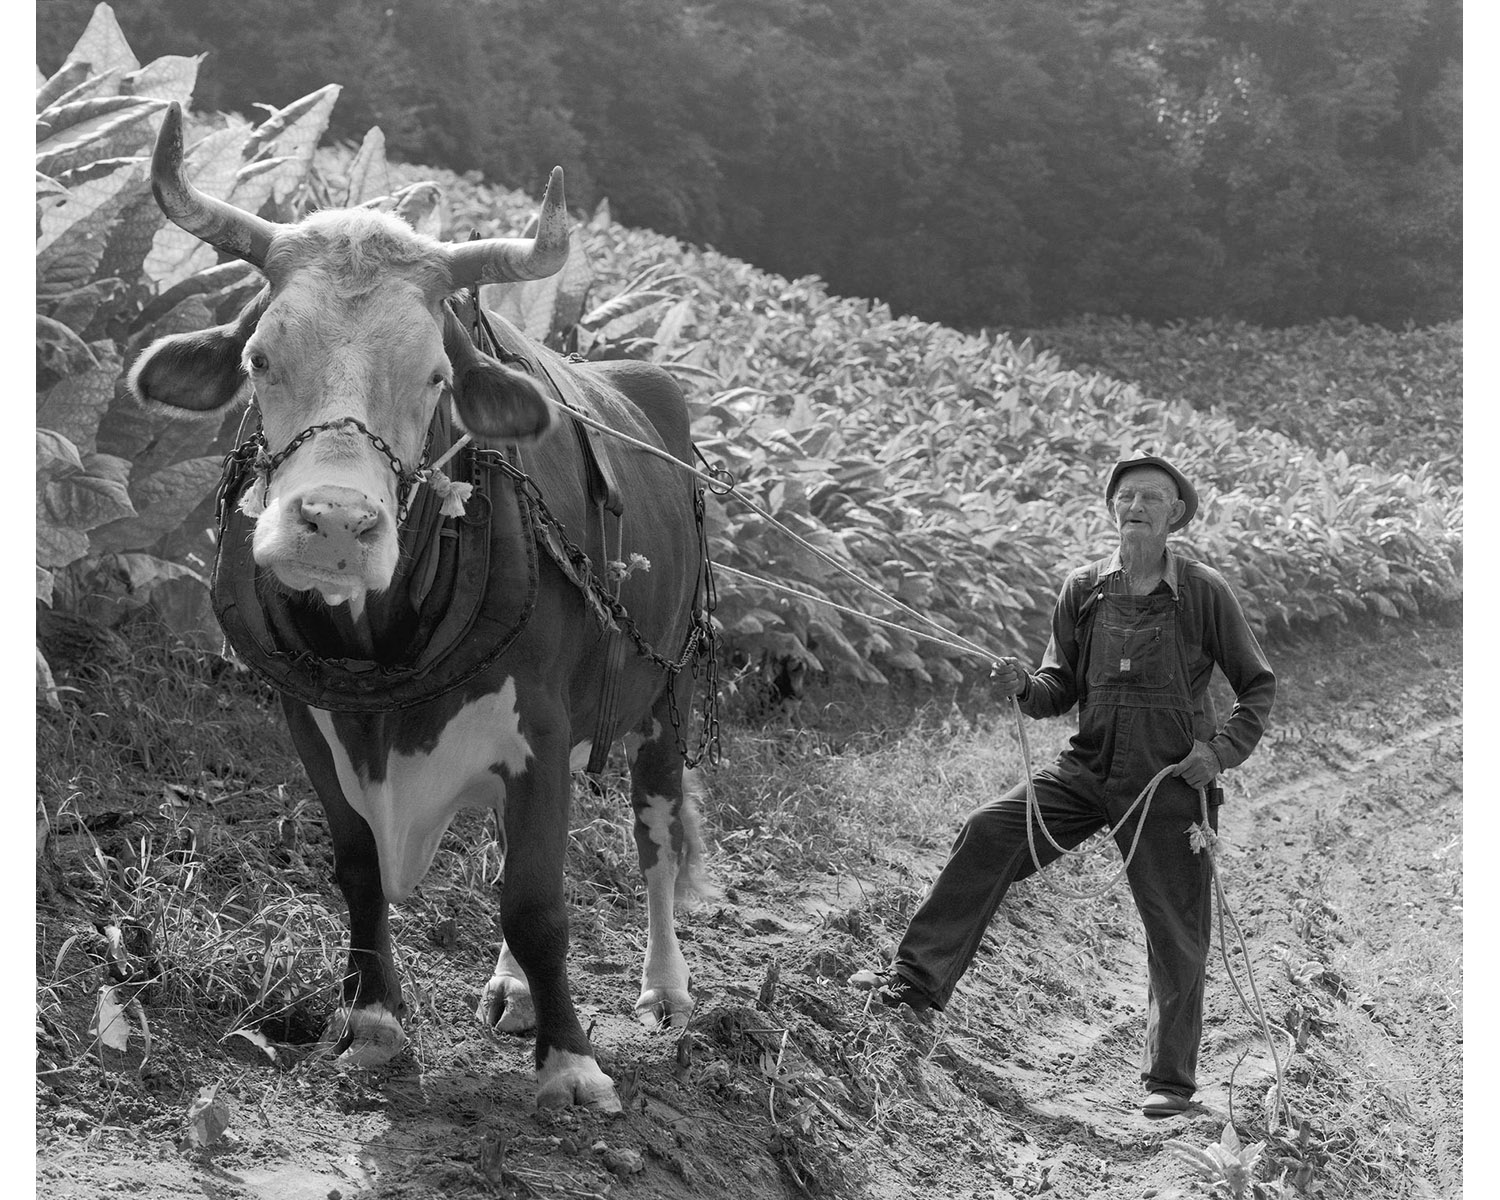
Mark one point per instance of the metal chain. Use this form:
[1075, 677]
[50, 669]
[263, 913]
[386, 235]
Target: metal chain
[708, 743]
[723, 478]
[267, 462]
[247, 453]
[700, 639]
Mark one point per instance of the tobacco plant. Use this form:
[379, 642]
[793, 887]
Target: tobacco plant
[121, 492]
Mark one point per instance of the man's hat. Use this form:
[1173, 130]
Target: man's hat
[1185, 490]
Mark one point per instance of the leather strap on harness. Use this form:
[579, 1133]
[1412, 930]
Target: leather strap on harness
[606, 499]
[604, 491]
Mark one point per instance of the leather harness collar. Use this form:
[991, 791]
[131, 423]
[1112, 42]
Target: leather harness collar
[468, 581]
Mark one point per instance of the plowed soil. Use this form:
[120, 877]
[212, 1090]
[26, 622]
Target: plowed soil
[1340, 852]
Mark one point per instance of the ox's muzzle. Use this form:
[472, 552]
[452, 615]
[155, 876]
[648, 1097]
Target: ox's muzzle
[335, 526]
[330, 527]
[334, 539]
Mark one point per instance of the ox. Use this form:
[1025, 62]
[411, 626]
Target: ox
[432, 659]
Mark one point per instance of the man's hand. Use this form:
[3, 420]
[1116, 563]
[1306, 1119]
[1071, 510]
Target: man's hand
[1200, 767]
[1008, 676]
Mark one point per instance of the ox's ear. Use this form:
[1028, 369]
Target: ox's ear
[493, 402]
[198, 371]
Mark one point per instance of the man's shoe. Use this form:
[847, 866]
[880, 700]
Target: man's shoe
[1165, 1104]
[897, 991]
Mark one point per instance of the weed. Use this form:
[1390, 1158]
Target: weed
[1229, 1167]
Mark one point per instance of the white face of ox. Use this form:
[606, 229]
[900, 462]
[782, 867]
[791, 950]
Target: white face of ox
[330, 518]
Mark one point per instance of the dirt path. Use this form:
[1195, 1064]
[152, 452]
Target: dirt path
[1341, 852]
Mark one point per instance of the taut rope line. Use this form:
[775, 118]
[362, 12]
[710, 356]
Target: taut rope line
[719, 487]
[949, 640]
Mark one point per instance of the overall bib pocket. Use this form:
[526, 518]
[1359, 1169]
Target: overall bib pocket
[1130, 653]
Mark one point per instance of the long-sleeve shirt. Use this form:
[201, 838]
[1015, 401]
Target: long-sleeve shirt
[1213, 629]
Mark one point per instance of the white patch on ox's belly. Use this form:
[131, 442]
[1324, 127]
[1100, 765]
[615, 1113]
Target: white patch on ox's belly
[411, 808]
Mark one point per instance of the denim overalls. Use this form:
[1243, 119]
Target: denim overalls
[1136, 716]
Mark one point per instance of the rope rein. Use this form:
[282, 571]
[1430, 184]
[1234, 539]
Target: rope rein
[722, 486]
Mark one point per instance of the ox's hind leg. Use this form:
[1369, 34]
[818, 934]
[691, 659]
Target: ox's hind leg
[670, 847]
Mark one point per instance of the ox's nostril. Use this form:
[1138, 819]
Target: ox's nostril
[343, 516]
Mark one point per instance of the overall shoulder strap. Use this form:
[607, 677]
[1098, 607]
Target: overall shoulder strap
[1087, 594]
[1088, 591]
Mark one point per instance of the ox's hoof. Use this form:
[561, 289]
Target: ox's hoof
[365, 1037]
[506, 1005]
[569, 1080]
[664, 1008]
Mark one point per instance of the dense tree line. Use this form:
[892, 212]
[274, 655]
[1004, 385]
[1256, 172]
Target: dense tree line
[977, 162]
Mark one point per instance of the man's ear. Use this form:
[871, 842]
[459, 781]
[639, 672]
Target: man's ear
[492, 401]
[198, 371]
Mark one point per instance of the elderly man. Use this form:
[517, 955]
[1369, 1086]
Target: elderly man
[1135, 638]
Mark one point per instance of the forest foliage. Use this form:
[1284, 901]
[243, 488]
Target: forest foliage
[977, 163]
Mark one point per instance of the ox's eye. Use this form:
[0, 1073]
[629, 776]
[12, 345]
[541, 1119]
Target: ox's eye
[438, 379]
[258, 361]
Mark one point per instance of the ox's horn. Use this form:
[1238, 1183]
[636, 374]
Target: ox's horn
[222, 225]
[512, 260]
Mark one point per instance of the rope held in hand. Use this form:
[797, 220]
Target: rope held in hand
[1034, 818]
[1204, 840]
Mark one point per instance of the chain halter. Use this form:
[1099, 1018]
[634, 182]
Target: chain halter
[265, 463]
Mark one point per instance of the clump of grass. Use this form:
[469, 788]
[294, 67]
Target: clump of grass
[807, 795]
[156, 750]
[1348, 1065]
[603, 864]
[231, 927]
[139, 709]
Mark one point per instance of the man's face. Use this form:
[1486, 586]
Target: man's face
[1145, 503]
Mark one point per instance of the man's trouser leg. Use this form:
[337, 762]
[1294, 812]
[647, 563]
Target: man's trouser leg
[1173, 889]
[989, 855]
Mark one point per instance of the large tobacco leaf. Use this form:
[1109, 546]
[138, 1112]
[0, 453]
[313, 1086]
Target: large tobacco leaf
[74, 405]
[160, 502]
[113, 275]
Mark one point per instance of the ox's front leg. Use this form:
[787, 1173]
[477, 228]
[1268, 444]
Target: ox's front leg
[670, 848]
[534, 919]
[366, 1029]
